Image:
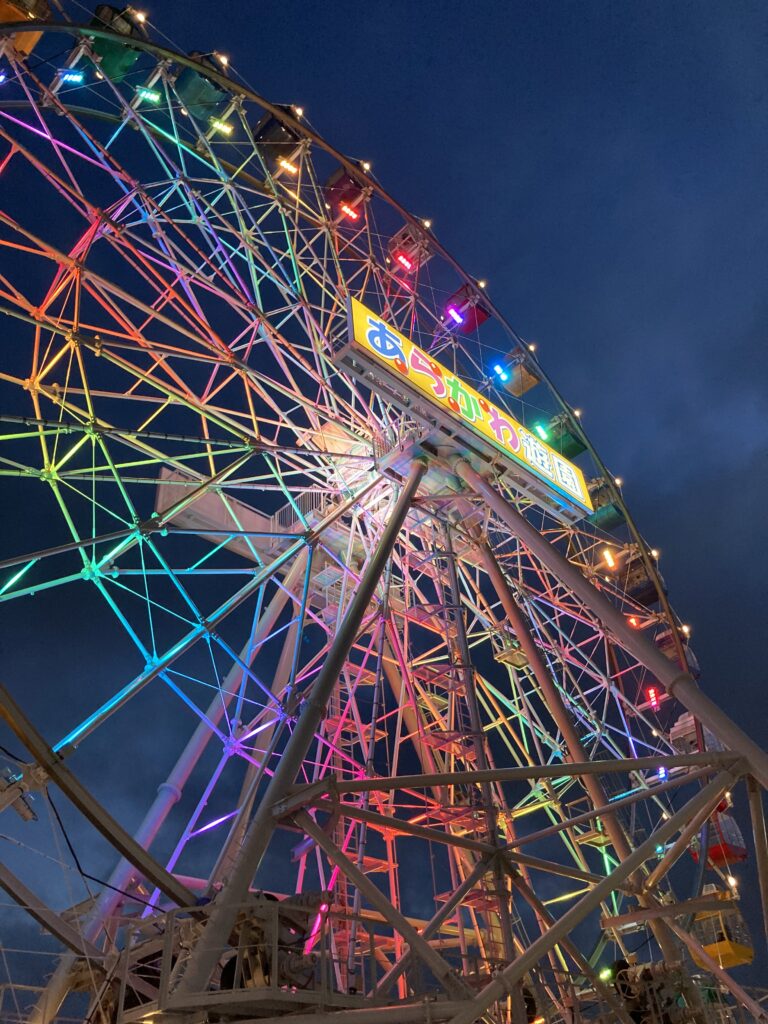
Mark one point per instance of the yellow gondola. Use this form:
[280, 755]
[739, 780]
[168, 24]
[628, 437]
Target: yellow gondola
[723, 933]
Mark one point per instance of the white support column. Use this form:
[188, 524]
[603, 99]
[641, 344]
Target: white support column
[222, 919]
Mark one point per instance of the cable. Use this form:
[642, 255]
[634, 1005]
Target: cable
[643, 943]
[10, 756]
[85, 874]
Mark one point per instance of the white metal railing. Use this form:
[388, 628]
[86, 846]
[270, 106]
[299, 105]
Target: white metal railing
[308, 503]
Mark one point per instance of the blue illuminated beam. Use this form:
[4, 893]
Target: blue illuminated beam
[153, 670]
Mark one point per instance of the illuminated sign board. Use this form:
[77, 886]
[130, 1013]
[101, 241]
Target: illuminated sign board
[372, 336]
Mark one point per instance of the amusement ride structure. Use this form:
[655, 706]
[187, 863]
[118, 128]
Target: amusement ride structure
[372, 636]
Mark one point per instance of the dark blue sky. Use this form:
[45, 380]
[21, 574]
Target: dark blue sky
[604, 166]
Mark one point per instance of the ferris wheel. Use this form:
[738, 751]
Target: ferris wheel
[354, 612]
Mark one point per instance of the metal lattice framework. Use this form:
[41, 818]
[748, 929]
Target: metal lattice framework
[376, 661]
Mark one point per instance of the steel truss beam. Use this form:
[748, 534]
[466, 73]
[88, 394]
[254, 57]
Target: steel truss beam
[302, 795]
[448, 839]
[553, 699]
[563, 719]
[417, 943]
[569, 946]
[220, 923]
[88, 806]
[401, 825]
[698, 951]
[643, 793]
[680, 685]
[502, 912]
[433, 926]
[668, 910]
[46, 917]
[505, 981]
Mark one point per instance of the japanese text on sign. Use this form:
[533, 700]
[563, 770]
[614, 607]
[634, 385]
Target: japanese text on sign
[437, 383]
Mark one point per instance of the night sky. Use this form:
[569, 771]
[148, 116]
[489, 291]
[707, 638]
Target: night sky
[603, 166]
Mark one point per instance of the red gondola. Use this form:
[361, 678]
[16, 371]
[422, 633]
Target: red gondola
[726, 843]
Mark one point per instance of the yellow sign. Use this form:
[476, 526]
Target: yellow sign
[437, 383]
